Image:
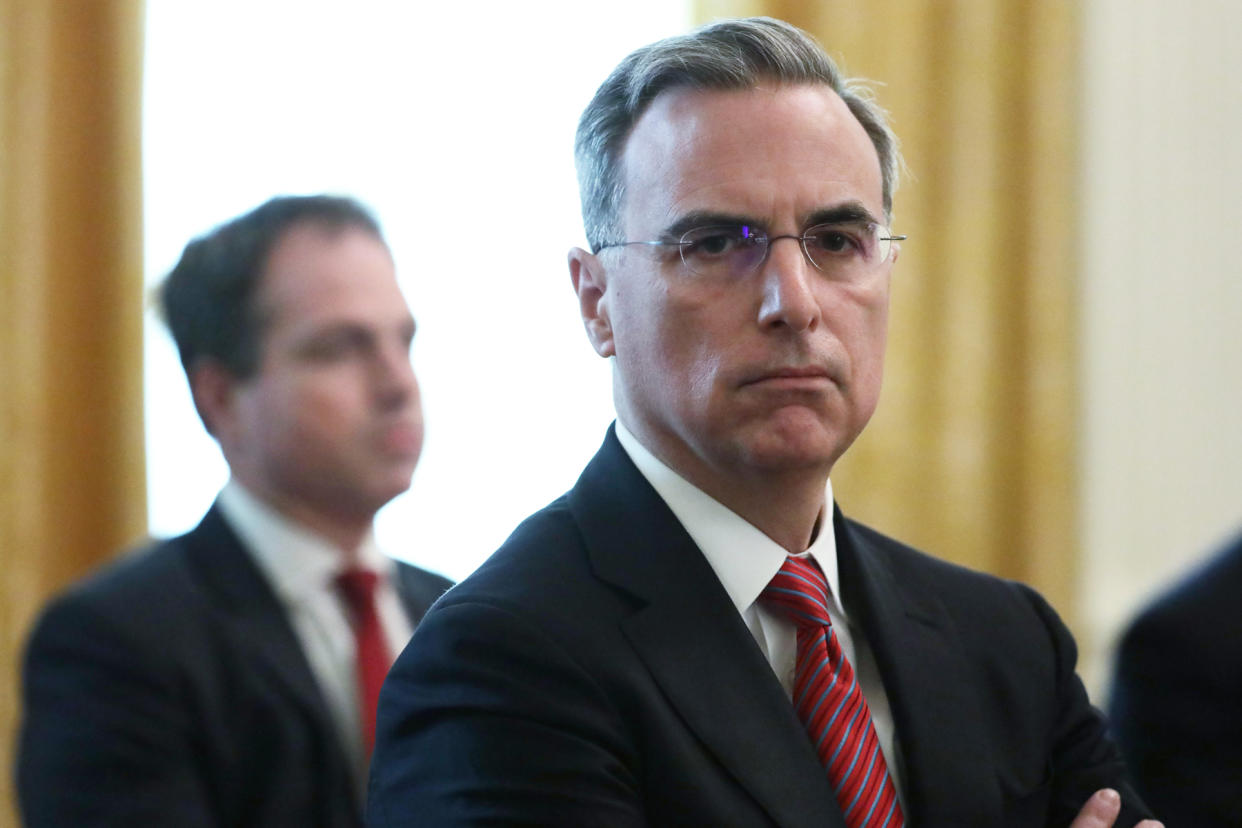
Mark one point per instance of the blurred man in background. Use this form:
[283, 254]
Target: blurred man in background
[1177, 697]
[228, 677]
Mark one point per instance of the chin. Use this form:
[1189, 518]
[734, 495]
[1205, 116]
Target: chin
[791, 458]
[397, 487]
[384, 490]
[796, 436]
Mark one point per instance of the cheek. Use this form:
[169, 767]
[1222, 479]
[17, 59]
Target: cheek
[706, 363]
[692, 344]
[262, 419]
[674, 340]
[326, 414]
[871, 338]
[308, 414]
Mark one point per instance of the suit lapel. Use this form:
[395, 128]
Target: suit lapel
[249, 610]
[418, 590]
[696, 646]
[947, 766]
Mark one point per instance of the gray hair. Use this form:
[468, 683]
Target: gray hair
[726, 55]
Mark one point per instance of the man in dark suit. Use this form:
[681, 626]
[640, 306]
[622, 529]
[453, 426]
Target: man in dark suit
[694, 635]
[227, 677]
[1177, 696]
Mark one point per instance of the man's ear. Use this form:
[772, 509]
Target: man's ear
[214, 389]
[590, 281]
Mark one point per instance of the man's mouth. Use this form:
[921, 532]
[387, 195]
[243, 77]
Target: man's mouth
[790, 377]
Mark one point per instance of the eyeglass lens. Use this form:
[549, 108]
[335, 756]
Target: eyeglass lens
[845, 250]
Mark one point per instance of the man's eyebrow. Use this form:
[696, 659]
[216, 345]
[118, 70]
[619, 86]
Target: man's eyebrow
[706, 218]
[849, 213]
[335, 329]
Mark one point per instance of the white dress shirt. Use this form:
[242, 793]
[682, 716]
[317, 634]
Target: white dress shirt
[301, 567]
[745, 560]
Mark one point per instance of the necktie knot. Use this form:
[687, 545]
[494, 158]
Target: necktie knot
[357, 587]
[799, 590]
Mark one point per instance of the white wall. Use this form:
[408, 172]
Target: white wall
[455, 122]
[1162, 300]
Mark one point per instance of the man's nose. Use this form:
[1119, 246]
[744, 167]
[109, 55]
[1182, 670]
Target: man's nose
[788, 296]
[395, 377]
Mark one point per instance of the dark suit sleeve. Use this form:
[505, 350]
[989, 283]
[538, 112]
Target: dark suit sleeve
[1084, 759]
[1178, 718]
[486, 721]
[104, 740]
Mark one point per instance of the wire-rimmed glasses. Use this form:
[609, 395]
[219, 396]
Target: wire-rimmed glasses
[844, 250]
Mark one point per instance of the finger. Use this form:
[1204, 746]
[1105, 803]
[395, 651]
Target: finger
[1150, 823]
[1100, 811]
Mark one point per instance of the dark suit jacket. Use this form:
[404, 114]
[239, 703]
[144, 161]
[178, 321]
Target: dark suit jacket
[594, 672]
[1177, 697]
[170, 689]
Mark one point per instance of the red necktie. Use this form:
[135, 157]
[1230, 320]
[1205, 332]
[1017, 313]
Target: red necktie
[373, 659]
[830, 703]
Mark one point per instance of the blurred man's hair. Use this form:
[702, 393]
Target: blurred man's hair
[209, 299]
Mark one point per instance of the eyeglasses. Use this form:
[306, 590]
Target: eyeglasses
[843, 250]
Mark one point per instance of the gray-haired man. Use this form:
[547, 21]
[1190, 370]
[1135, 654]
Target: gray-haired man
[694, 634]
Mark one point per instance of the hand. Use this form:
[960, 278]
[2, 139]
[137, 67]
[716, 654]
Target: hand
[1101, 811]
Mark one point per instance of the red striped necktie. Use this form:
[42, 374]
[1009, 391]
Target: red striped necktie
[830, 702]
[357, 587]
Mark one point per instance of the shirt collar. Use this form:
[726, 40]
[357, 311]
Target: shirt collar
[296, 560]
[743, 558]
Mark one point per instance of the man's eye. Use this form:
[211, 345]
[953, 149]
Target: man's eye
[715, 241]
[327, 349]
[835, 239]
[334, 346]
[714, 245]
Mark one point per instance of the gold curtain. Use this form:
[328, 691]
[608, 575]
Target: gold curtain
[971, 455]
[72, 471]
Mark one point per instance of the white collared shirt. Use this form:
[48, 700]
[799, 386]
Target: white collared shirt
[301, 566]
[745, 560]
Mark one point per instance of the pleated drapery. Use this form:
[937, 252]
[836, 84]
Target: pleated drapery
[72, 487]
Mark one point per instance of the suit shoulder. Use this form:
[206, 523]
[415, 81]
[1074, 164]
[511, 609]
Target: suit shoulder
[1210, 589]
[543, 549]
[978, 600]
[913, 562]
[542, 573]
[132, 580]
[141, 593]
[1183, 619]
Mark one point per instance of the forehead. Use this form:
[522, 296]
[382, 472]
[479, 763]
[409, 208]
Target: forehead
[775, 152]
[317, 274]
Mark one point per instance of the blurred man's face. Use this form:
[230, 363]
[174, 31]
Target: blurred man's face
[778, 370]
[330, 426]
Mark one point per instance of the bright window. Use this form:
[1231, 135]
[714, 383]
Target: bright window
[444, 118]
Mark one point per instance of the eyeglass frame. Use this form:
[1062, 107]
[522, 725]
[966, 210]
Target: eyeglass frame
[883, 234]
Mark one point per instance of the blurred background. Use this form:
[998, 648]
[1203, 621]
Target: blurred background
[1062, 394]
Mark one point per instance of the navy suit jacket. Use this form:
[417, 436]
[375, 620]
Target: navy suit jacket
[170, 689]
[595, 672]
[1177, 697]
